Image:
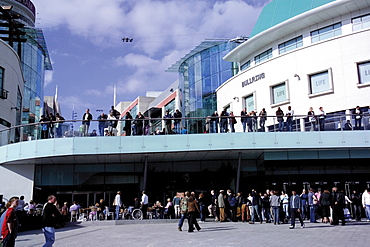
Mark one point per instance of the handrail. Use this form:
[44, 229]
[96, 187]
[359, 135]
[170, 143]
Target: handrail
[194, 125]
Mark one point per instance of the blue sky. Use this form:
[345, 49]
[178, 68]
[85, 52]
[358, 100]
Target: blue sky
[89, 58]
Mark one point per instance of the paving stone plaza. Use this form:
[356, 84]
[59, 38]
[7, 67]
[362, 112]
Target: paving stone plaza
[165, 233]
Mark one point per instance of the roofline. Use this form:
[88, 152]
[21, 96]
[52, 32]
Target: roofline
[254, 43]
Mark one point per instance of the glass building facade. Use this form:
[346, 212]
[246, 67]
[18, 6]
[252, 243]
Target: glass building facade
[35, 60]
[201, 72]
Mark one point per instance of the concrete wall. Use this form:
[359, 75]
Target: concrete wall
[17, 180]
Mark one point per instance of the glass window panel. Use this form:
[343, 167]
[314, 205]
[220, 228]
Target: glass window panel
[246, 65]
[279, 93]
[364, 72]
[249, 103]
[320, 82]
[326, 32]
[206, 70]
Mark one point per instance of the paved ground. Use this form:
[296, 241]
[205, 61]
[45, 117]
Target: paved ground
[165, 233]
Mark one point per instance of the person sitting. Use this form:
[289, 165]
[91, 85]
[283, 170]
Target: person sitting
[94, 211]
[348, 125]
[158, 210]
[168, 209]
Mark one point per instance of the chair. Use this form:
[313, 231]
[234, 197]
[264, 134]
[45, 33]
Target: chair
[73, 216]
[108, 214]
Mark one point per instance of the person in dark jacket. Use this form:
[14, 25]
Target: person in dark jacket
[193, 208]
[128, 120]
[337, 204]
[51, 217]
[256, 207]
[295, 209]
[325, 202]
[356, 203]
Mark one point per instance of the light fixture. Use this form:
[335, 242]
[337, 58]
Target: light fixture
[299, 78]
[236, 98]
[8, 7]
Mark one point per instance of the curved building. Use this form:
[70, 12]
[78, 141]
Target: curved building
[11, 92]
[304, 54]
[35, 61]
[201, 71]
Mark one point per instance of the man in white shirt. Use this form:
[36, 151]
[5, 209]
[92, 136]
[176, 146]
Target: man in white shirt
[144, 204]
[118, 203]
[289, 120]
[366, 203]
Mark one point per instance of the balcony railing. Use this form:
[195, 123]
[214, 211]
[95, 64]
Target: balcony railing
[191, 125]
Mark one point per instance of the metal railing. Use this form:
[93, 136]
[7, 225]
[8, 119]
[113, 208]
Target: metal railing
[190, 125]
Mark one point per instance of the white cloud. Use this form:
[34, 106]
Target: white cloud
[163, 32]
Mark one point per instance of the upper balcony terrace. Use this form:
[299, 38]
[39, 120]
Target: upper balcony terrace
[297, 144]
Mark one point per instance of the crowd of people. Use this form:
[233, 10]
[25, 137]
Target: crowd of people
[13, 217]
[225, 122]
[274, 207]
[324, 206]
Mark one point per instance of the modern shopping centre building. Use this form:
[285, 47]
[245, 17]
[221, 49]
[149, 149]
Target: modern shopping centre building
[302, 54]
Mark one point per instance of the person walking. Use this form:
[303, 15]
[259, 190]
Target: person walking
[51, 216]
[193, 208]
[9, 227]
[295, 209]
[183, 210]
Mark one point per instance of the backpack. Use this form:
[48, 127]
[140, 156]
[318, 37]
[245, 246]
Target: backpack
[184, 205]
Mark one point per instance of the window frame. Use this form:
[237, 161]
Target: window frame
[330, 78]
[272, 95]
[321, 33]
[297, 43]
[264, 56]
[359, 84]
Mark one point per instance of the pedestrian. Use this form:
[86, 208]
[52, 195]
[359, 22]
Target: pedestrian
[263, 118]
[312, 119]
[289, 119]
[295, 209]
[280, 119]
[144, 204]
[243, 118]
[232, 122]
[183, 210]
[193, 208]
[168, 122]
[322, 116]
[275, 204]
[51, 216]
[337, 204]
[9, 227]
[102, 123]
[86, 118]
[177, 121]
[221, 206]
[358, 117]
[117, 203]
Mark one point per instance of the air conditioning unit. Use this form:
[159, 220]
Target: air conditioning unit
[3, 94]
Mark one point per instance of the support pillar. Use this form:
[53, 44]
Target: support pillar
[238, 172]
[145, 171]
